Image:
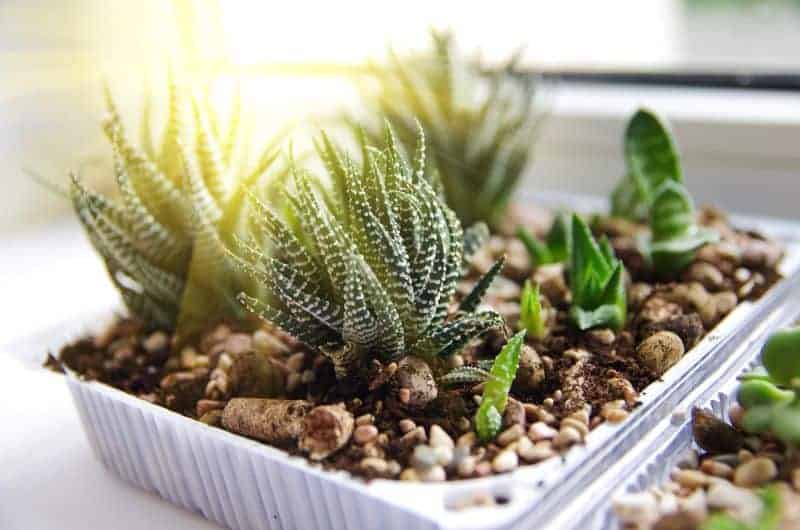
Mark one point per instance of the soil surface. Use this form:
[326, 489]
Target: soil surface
[568, 383]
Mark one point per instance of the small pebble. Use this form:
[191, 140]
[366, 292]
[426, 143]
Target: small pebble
[365, 434]
[433, 474]
[378, 466]
[414, 437]
[409, 474]
[483, 468]
[466, 467]
[404, 395]
[505, 461]
[467, 439]
[439, 438]
[443, 455]
[156, 342]
[423, 457]
[575, 424]
[296, 361]
[510, 435]
[541, 431]
[690, 478]
[717, 469]
[755, 472]
[365, 419]
[614, 415]
[406, 425]
[566, 437]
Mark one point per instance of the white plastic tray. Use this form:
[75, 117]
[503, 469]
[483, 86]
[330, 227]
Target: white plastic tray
[243, 484]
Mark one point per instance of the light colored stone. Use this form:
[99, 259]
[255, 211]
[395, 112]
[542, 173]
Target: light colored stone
[575, 424]
[433, 474]
[566, 437]
[409, 474]
[467, 439]
[695, 505]
[510, 435]
[636, 510]
[541, 431]
[466, 467]
[660, 351]
[505, 461]
[690, 478]
[755, 472]
[378, 466]
[742, 503]
[406, 425]
[615, 415]
[443, 455]
[365, 434]
[439, 438]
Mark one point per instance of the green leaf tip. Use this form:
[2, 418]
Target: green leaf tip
[596, 280]
[488, 419]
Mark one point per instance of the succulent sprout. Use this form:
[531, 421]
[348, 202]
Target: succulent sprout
[164, 242]
[651, 158]
[532, 316]
[479, 140]
[595, 278]
[489, 417]
[555, 247]
[366, 269]
[674, 237]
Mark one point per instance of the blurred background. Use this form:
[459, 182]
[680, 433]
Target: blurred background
[724, 71]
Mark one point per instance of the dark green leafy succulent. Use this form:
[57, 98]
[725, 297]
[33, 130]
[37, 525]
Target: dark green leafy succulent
[651, 158]
[555, 247]
[596, 281]
[772, 399]
[674, 235]
[367, 269]
[480, 131]
[489, 417]
[163, 243]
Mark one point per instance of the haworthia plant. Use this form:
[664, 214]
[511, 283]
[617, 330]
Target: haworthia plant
[480, 129]
[555, 247]
[596, 281]
[674, 235]
[368, 268]
[651, 158]
[163, 243]
[772, 400]
[531, 317]
[489, 417]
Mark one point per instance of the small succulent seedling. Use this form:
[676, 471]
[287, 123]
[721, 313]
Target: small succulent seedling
[674, 235]
[651, 158]
[596, 281]
[532, 317]
[489, 417]
[480, 128]
[368, 271]
[555, 247]
[772, 399]
[164, 243]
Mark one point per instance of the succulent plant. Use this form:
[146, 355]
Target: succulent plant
[479, 135]
[772, 399]
[366, 269]
[596, 281]
[651, 158]
[164, 242]
[489, 417]
[555, 247]
[532, 316]
[674, 235]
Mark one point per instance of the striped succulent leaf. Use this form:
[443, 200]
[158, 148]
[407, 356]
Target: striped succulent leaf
[164, 242]
[370, 271]
[480, 129]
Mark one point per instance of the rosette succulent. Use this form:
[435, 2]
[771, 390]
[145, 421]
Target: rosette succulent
[596, 281]
[480, 130]
[163, 242]
[367, 268]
